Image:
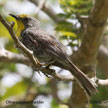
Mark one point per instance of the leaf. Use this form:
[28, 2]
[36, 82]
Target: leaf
[3, 31]
[72, 44]
[76, 6]
[8, 67]
[54, 104]
[63, 106]
[90, 106]
[70, 34]
[64, 37]
[10, 45]
[63, 15]
[15, 90]
[65, 26]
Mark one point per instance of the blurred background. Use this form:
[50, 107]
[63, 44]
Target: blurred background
[60, 18]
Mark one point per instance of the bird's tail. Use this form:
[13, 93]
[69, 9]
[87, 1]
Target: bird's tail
[88, 85]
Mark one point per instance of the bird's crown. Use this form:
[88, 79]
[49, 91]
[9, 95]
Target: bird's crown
[23, 16]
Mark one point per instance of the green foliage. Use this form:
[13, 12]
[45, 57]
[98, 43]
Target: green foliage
[17, 89]
[102, 95]
[3, 30]
[4, 33]
[76, 6]
[8, 67]
[54, 104]
[68, 26]
[44, 88]
[72, 8]
[10, 45]
[67, 30]
[90, 106]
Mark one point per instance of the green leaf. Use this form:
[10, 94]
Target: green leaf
[54, 104]
[17, 89]
[72, 44]
[63, 15]
[90, 106]
[8, 67]
[10, 45]
[71, 34]
[65, 26]
[76, 6]
[3, 31]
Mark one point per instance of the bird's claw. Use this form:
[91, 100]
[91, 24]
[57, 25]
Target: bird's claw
[47, 75]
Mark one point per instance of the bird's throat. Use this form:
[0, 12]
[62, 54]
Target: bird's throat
[20, 28]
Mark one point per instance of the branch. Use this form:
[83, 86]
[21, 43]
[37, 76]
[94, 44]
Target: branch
[7, 56]
[102, 82]
[85, 57]
[94, 30]
[48, 10]
[40, 6]
[103, 57]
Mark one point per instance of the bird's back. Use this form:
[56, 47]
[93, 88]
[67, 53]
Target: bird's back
[44, 45]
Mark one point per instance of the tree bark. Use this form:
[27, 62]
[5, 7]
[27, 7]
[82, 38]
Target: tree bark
[85, 57]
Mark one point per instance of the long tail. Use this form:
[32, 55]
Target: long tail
[88, 85]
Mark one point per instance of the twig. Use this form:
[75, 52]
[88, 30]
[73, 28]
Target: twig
[102, 82]
[7, 56]
[41, 5]
[48, 10]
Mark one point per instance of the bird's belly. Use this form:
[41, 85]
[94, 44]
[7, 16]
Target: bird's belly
[42, 56]
[38, 52]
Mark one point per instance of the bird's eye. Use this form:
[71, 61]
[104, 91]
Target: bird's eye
[25, 19]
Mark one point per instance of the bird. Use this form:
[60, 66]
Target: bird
[47, 48]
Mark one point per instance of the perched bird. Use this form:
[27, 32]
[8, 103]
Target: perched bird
[47, 48]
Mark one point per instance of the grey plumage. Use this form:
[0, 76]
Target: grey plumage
[47, 48]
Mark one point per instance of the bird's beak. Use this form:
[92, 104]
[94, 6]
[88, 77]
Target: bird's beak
[14, 16]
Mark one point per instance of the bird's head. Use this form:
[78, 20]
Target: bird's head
[25, 21]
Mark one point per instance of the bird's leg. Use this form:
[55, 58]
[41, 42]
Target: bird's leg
[38, 63]
[47, 65]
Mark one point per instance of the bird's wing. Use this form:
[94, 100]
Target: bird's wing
[47, 42]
